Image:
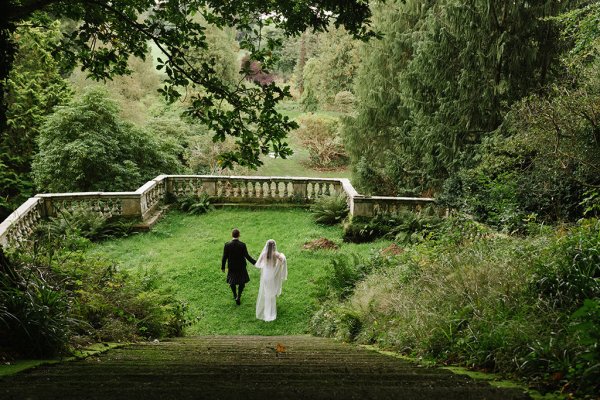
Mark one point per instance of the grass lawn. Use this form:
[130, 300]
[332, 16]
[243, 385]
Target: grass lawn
[187, 250]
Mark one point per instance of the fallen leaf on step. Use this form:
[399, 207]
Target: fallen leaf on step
[280, 348]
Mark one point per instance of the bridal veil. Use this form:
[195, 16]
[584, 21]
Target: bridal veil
[273, 266]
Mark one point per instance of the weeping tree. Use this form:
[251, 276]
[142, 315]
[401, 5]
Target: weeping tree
[107, 33]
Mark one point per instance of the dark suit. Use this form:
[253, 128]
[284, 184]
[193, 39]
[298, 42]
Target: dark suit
[235, 255]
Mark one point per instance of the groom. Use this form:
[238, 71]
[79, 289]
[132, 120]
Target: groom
[235, 255]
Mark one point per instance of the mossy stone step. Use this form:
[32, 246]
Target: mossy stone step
[245, 367]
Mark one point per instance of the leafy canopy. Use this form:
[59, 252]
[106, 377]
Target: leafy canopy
[85, 146]
[110, 32]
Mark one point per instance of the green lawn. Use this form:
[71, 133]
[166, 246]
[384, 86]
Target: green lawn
[187, 250]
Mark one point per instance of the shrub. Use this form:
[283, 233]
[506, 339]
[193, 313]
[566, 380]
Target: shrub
[74, 228]
[85, 146]
[195, 203]
[330, 210]
[344, 100]
[35, 311]
[53, 297]
[570, 272]
[118, 305]
[320, 136]
[346, 272]
[586, 326]
[405, 227]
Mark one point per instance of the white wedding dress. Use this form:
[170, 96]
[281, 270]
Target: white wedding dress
[273, 271]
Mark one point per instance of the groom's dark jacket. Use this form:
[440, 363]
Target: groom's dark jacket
[235, 255]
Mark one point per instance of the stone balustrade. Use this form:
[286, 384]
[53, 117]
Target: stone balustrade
[142, 203]
[368, 206]
[22, 222]
[151, 194]
[253, 189]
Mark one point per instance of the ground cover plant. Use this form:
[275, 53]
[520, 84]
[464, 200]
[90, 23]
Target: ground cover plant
[56, 298]
[522, 305]
[186, 250]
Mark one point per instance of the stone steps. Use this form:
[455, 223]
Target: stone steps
[245, 367]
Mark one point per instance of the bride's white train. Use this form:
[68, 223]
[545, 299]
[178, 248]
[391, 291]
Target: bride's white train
[273, 266]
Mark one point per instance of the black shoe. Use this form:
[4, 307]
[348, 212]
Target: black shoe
[237, 301]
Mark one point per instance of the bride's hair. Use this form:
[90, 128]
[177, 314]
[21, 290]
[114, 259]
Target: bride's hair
[270, 249]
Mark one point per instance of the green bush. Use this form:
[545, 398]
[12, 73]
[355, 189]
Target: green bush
[53, 297]
[195, 204]
[120, 306]
[35, 310]
[405, 227]
[480, 298]
[571, 271]
[330, 210]
[86, 146]
[585, 324]
[345, 272]
[75, 228]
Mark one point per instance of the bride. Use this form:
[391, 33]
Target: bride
[273, 266]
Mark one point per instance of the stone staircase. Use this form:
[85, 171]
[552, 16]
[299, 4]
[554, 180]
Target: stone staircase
[245, 367]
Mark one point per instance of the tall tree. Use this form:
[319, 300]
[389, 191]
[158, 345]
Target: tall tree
[110, 32]
[33, 88]
[459, 65]
[333, 67]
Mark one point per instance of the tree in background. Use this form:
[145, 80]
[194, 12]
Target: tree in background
[86, 146]
[109, 33]
[304, 48]
[332, 70]
[544, 162]
[33, 88]
[373, 136]
[136, 93]
[446, 72]
[220, 54]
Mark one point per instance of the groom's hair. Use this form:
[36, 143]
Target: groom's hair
[235, 233]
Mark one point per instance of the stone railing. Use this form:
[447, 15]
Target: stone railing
[142, 203]
[22, 222]
[250, 189]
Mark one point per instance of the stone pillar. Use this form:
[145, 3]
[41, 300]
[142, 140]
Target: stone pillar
[210, 187]
[299, 189]
[131, 207]
[363, 207]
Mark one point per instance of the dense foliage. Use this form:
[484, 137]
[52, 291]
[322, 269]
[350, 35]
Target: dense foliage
[331, 70]
[85, 146]
[107, 34]
[330, 210]
[33, 88]
[475, 101]
[478, 298]
[55, 297]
